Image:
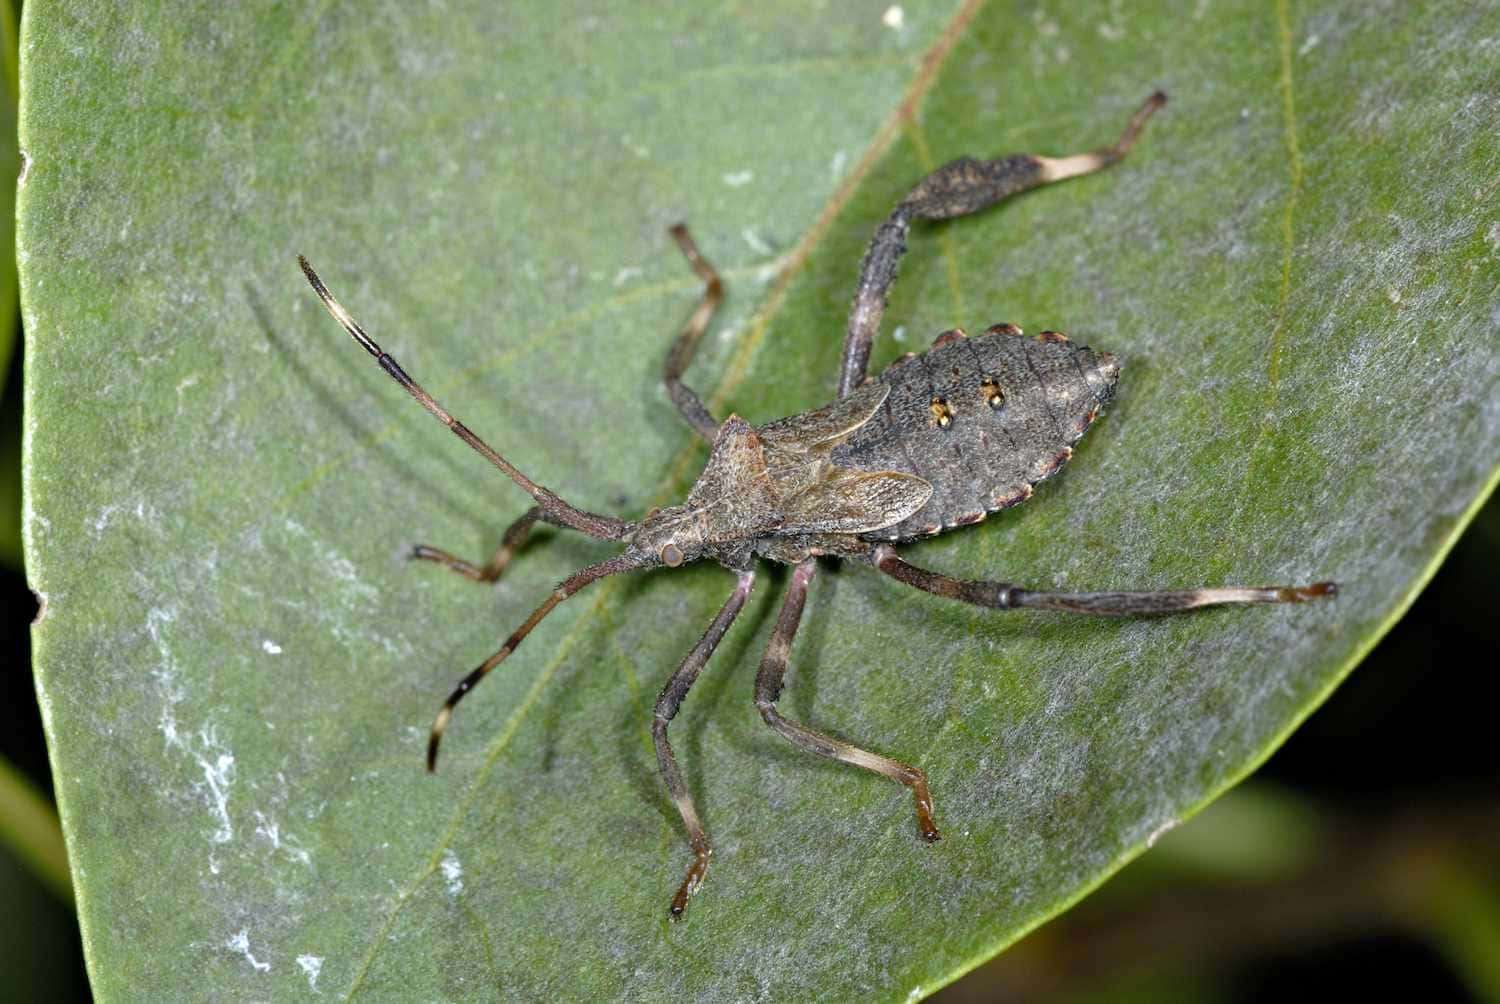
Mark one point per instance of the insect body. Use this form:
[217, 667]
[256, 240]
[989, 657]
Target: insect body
[934, 442]
[981, 420]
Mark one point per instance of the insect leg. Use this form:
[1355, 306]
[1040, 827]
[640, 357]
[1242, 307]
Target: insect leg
[555, 509]
[956, 189]
[666, 709]
[681, 355]
[768, 683]
[1004, 596]
[619, 563]
[514, 535]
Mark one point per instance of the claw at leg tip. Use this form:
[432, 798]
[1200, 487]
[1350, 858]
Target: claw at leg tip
[1299, 594]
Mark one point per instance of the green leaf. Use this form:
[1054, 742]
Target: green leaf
[10, 317]
[237, 665]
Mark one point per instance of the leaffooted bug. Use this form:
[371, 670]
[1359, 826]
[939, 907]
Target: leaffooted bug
[936, 441]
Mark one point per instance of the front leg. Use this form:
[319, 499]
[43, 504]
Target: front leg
[515, 534]
[686, 344]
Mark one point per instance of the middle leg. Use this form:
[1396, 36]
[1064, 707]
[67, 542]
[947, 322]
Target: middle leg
[666, 709]
[768, 684]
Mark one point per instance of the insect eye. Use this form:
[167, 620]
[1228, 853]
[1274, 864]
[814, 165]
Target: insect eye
[993, 395]
[671, 555]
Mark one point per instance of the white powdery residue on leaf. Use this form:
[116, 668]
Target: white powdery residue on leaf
[739, 179]
[218, 776]
[240, 942]
[100, 521]
[327, 558]
[151, 516]
[213, 760]
[182, 385]
[626, 274]
[146, 513]
[639, 149]
[756, 244]
[1045, 53]
[900, 333]
[1309, 44]
[453, 873]
[267, 827]
[734, 327]
[312, 965]
[36, 529]
[837, 164]
[270, 647]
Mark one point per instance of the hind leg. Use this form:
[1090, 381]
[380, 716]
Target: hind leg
[1004, 596]
[958, 188]
[768, 683]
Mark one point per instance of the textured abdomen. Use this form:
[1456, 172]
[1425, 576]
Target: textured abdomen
[982, 420]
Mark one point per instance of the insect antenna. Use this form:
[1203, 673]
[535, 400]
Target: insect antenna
[554, 509]
[619, 563]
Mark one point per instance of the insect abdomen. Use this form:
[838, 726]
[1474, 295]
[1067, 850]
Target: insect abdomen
[982, 420]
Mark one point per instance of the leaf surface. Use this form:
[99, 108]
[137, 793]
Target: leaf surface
[237, 665]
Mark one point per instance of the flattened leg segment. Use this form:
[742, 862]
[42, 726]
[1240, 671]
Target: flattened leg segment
[768, 684]
[958, 188]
